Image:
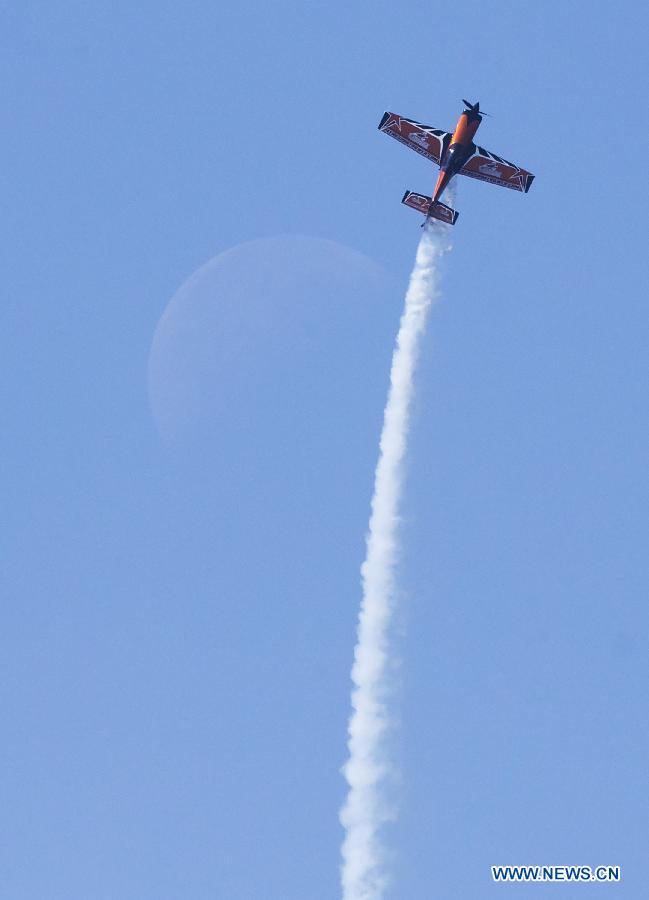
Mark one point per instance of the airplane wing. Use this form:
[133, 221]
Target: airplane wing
[430, 142]
[487, 166]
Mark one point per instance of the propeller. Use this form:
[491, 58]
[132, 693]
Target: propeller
[475, 107]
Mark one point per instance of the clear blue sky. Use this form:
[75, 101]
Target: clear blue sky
[177, 623]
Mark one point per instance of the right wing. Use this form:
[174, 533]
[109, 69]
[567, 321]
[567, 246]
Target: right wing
[430, 142]
[486, 166]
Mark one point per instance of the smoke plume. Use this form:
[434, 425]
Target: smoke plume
[369, 768]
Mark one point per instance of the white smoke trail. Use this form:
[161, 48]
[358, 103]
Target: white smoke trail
[368, 767]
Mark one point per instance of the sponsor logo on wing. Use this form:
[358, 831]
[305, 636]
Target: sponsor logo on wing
[418, 138]
[490, 169]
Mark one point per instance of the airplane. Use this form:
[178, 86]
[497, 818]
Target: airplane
[454, 153]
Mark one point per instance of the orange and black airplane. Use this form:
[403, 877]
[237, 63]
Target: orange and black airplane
[454, 153]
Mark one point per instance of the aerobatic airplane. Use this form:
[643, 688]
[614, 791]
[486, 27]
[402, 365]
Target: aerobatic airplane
[454, 153]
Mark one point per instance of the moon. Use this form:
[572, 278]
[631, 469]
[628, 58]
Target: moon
[273, 346]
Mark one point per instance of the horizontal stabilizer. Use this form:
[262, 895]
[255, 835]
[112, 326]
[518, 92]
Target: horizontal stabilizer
[423, 205]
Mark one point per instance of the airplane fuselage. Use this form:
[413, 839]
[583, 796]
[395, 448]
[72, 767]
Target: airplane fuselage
[458, 151]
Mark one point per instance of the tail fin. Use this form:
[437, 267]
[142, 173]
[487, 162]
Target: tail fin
[426, 206]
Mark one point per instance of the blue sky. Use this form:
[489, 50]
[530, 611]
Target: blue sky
[178, 622]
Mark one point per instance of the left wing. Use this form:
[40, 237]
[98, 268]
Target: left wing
[488, 167]
[430, 142]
